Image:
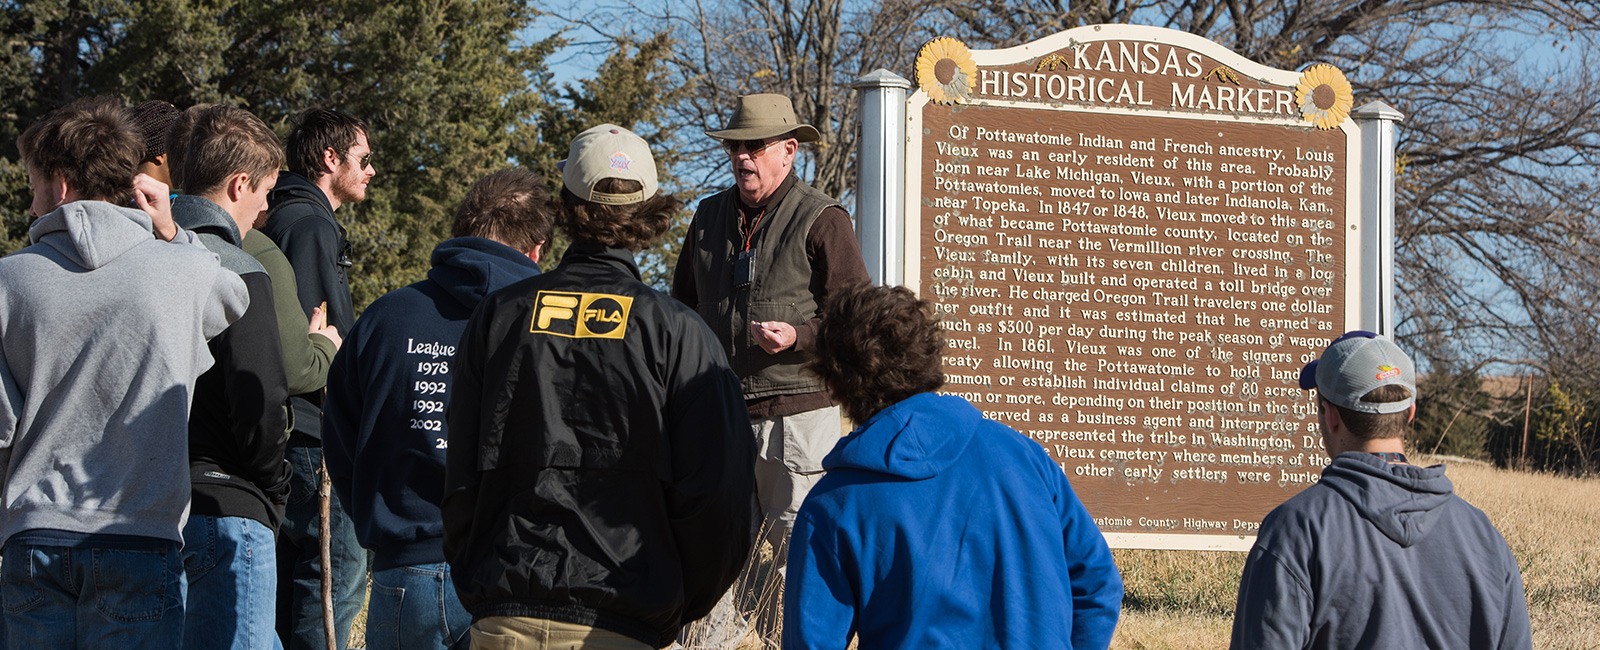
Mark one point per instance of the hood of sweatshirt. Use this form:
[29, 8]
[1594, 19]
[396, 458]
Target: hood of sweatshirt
[294, 187]
[469, 268]
[217, 231]
[1402, 501]
[915, 439]
[92, 233]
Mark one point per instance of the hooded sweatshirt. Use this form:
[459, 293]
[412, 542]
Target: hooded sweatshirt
[1380, 555]
[384, 434]
[103, 331]
[938, 528]
[303, 227]
[236, 430]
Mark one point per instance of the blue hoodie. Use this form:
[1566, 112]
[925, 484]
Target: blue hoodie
[937, 528]
[384, 436]
[1380, 555]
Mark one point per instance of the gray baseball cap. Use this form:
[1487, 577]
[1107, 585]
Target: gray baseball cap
[608, 151]
[1353, 365]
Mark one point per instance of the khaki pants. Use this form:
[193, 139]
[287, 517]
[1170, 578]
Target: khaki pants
[519, 633]
[789, 452]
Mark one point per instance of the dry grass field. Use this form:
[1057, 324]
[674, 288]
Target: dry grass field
[1178, 600]
[1184, 600]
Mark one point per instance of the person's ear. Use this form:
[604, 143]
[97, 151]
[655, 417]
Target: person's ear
[1411, 413]
[1330, 415]
[61, 191]
[331, 160]
[537, 251]
[238, 186]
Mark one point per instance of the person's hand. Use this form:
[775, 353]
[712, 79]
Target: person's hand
[154, 197]
[319, 325]
[773, 336]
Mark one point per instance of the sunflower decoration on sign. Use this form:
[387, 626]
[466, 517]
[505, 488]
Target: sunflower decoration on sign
[945, 71]
[1324, 96]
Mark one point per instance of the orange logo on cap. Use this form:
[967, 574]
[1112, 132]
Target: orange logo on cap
[1385, 372]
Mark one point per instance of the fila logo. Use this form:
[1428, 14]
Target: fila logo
[581, 315]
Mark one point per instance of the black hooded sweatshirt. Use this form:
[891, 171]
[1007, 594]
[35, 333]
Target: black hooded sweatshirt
[301, 224]
[383, 429]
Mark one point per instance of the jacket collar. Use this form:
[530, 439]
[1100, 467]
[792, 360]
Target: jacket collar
[594, 253]
[204, 215]
[294, 186]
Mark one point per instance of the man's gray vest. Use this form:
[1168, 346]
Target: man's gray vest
[783, 290]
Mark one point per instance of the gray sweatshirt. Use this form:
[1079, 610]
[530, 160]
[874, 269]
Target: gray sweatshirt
[103, 331]
[1380, 556]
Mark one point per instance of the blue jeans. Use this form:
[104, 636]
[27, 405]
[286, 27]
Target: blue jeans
[300, 559]
[415, 608]
[62, 597]
[232, 566]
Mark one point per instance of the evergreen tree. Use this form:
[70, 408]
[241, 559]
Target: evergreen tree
[448, 92]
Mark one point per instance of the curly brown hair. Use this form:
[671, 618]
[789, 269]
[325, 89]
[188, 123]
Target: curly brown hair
[634, 227]
[877, 346]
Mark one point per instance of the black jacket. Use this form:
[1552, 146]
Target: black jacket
[600, 461]
[301, 223]
[236, 423]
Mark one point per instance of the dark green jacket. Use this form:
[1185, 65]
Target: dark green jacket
[305, 356]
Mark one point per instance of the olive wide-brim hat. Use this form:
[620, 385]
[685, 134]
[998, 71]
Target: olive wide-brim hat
[758, 117]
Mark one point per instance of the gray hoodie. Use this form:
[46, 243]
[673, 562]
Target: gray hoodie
[101, 347]
[1377, 555]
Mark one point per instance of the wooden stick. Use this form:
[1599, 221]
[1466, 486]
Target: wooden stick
[325, 536]
[325, 523]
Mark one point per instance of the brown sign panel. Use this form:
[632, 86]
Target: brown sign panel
[1137, 240]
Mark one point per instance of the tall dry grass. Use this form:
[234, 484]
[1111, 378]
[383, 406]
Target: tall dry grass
[1183, 600]
[750, 615]
[1552, 524]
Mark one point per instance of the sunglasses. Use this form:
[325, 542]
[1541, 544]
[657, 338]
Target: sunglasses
[364, 160]
[755, 147]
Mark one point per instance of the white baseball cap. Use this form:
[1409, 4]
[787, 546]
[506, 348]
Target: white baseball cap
[608, 151]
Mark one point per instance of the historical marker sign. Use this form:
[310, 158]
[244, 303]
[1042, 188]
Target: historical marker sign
[1137, 238]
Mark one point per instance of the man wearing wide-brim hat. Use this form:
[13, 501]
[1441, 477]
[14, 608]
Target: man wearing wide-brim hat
[759, 261]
